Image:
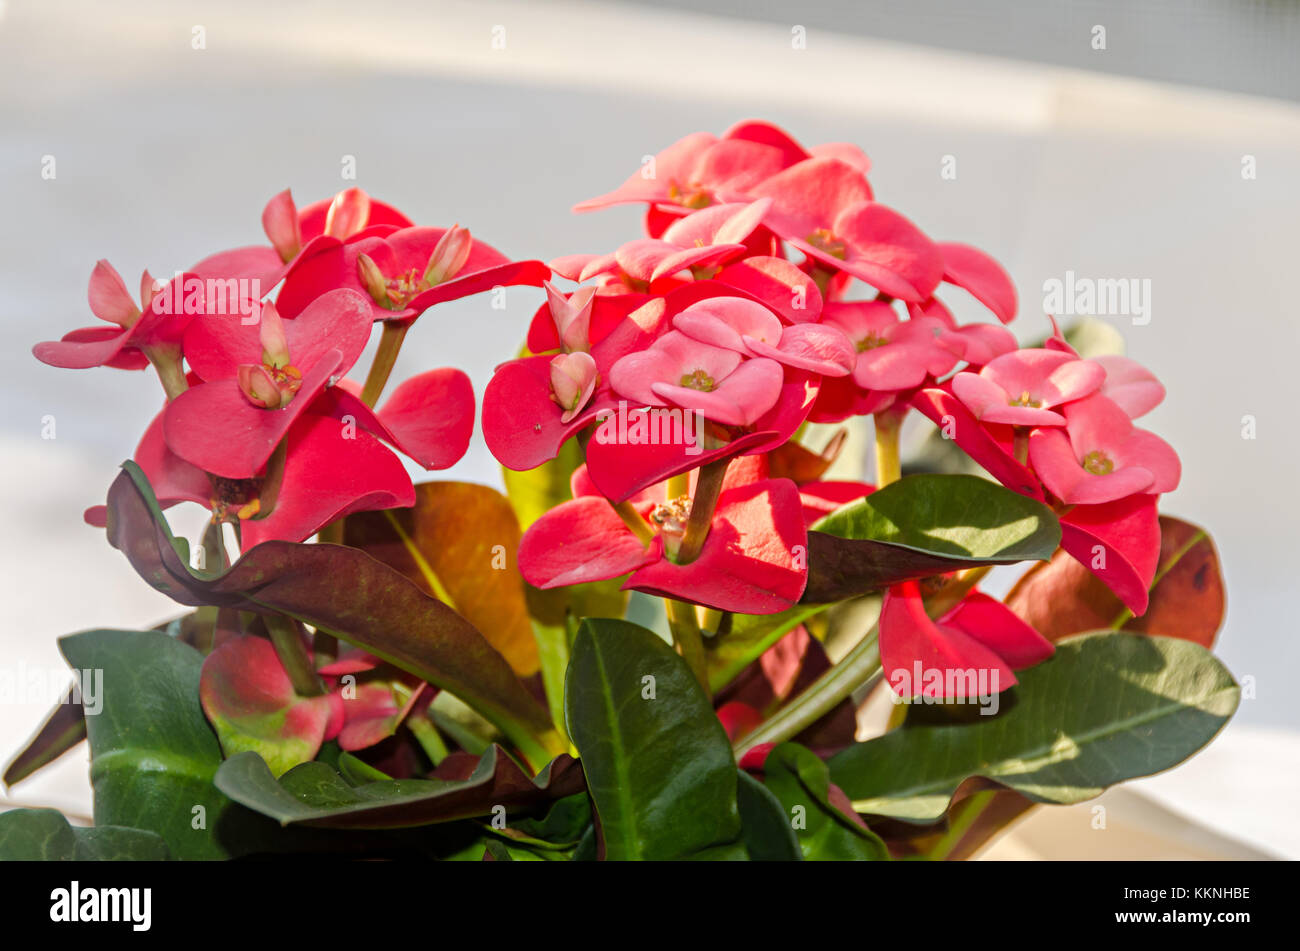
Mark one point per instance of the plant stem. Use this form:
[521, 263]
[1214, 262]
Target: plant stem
[293, 655]
[708, 486]
[171, 372]
[889, 424]
[1020, 445]
[390, 344]
[965, 815]
[633, 520]
[686, 635]
[427, 735]
[858, 666]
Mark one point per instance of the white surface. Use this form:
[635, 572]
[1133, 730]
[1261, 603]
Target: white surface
[166, 153]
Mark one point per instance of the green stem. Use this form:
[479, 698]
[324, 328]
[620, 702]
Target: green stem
[686, 635]
[835, 685]
[293, 655]
[171, 371]
[966, 814]
[427, 735]
[390, 344]
[889, 425]
[633, 520]
[708, 486]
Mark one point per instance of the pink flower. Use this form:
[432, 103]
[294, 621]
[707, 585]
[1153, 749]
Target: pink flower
[698, 171]
[927, 658]
[892, 354]
[749, 328]
[1100, 456]
[131, 330]
[721, 384]
[1021, 388]
[823, 208]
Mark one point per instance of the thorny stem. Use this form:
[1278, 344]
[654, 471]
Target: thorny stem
[390, 344]
[293, 655]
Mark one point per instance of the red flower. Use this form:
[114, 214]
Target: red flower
[405, 272]
[159, 322]
[980, 637]
[752, 562]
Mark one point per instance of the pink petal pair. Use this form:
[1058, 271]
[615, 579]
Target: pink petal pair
[1021, 388]
[1101, 457]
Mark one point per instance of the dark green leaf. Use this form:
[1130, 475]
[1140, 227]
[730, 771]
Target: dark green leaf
[659, 768]
[801, 782]
[44, 835]
[924, 525]
[315, 794]
[152, 753]
[1107, 707]
[769, 837]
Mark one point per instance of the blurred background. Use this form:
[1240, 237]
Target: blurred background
[1157, 141]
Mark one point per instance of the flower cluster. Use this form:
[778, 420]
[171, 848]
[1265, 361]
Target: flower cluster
[446, 654]
[253, 346]
[772, 289]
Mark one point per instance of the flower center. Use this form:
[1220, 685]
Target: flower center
[670, 518]
[1024, 399]
[694, 195]
[871, 341]
[698, 380]
[234, 499]
[1098, 463]
[823, 240]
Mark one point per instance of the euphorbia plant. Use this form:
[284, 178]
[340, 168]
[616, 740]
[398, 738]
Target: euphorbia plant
[658, 643]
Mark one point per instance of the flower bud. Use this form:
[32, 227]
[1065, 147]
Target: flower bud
[373, 280]
[275, 347]
[282, 227]
[257, 384]
[573, 377]
[449, 256]
[348, 213]
[572, 316]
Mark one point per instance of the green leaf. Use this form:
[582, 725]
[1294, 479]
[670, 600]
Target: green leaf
[801, 782]
[728, 654]
[44, 835]
[152, 753]
[659, 768]
[924, 525]
[315, 794]
[377, 609]
[1107, 707]
[769, 836]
